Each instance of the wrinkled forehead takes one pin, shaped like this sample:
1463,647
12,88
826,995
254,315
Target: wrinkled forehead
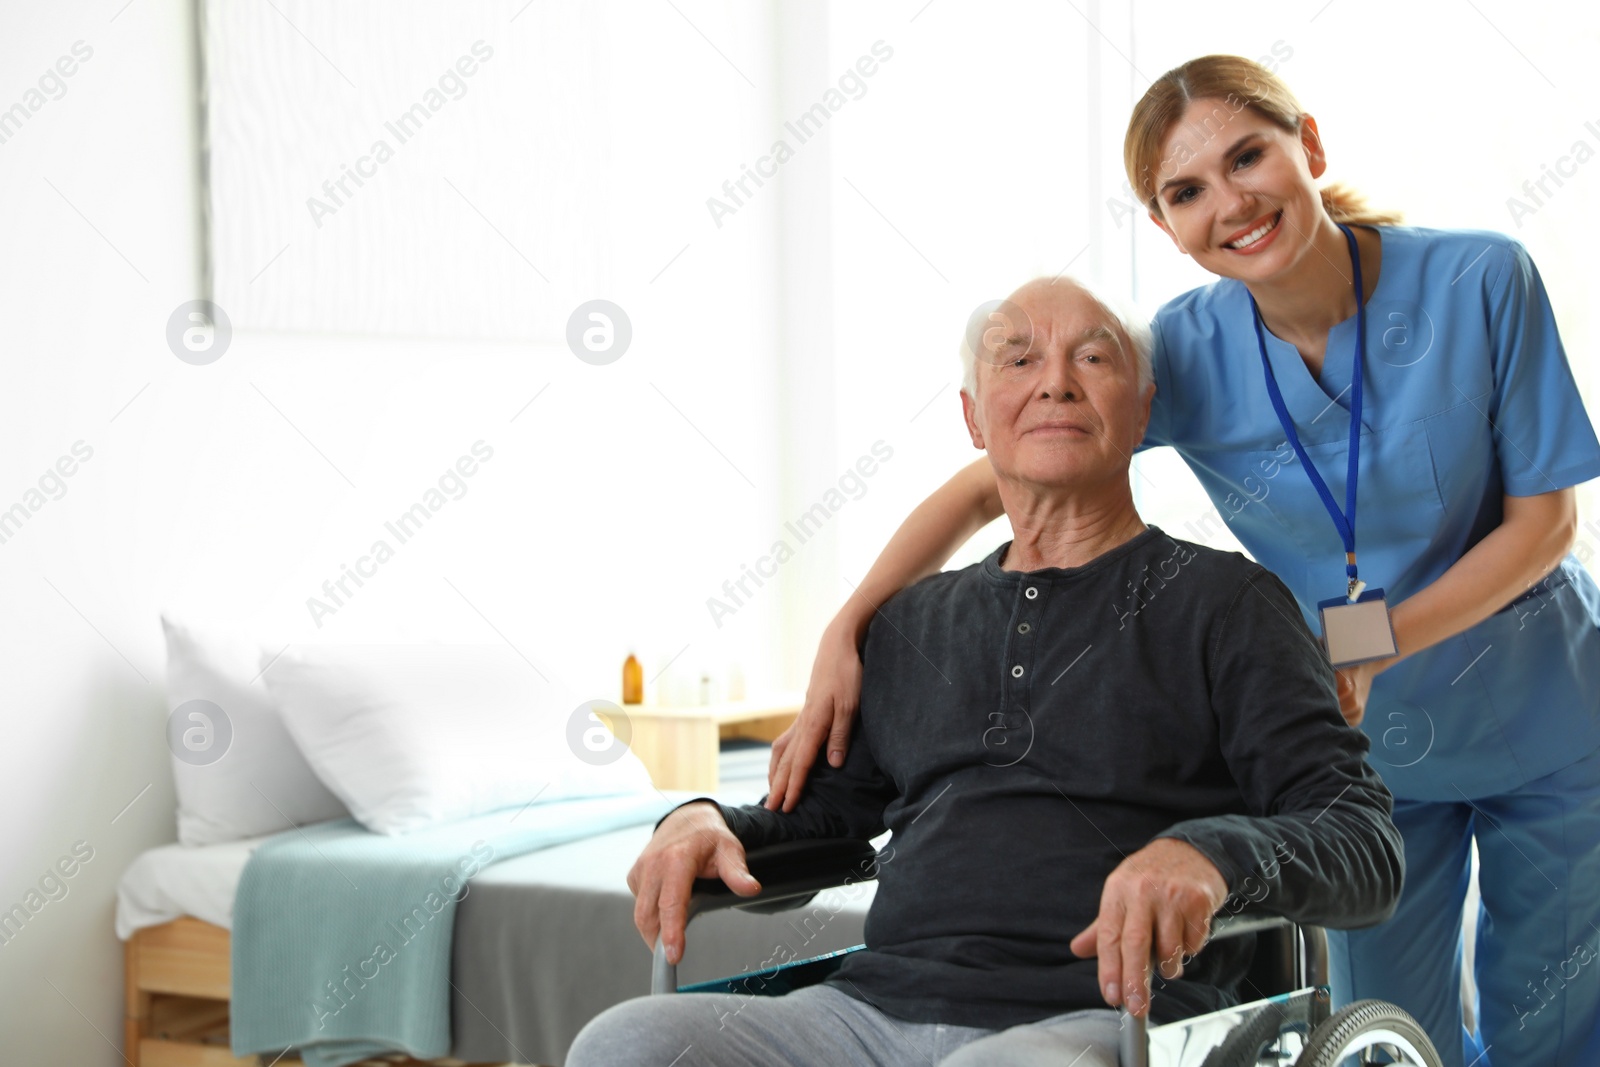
1062,311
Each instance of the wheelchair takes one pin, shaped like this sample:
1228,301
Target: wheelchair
1291,1026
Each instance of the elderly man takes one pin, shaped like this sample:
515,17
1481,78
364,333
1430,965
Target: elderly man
1083,745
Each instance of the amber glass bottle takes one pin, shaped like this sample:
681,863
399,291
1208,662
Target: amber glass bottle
632,681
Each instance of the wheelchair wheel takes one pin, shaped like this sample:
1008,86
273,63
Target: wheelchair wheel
1369,1032
1256,1040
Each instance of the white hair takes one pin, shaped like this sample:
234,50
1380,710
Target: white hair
1133,322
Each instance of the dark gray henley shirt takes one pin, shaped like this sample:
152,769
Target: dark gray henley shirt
1022,732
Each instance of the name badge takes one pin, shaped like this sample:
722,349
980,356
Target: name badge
1359,631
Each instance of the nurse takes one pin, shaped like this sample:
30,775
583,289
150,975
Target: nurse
1383,416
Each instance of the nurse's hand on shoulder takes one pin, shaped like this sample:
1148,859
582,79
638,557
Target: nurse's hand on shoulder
830,709
1355,683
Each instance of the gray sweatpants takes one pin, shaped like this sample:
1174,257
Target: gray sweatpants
822,1026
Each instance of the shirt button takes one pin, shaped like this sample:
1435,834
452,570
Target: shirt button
1031,592
1023,628
1016,672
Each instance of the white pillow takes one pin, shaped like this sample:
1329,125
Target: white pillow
237,770
412,735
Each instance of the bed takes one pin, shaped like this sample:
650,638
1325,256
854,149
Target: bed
542,943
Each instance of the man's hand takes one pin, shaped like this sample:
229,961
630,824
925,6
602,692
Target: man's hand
693,842
1160,898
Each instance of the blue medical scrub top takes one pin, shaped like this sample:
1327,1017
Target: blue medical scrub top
1468,397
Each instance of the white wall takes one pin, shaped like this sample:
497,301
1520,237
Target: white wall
83,335
618,499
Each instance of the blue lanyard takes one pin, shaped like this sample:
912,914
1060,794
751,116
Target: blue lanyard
1345,521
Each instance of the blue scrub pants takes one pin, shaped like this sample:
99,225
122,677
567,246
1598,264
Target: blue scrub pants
1538,945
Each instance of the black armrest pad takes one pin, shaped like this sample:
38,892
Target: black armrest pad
794,869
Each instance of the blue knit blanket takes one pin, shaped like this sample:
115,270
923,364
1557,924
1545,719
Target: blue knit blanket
342,937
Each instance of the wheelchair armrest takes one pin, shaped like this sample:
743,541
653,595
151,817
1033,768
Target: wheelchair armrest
1308,947
1241,923
790,874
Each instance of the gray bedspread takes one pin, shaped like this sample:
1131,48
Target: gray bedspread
546,941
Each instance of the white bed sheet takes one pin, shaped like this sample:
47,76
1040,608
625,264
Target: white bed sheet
174,880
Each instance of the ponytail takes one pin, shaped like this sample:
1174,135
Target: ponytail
1344,204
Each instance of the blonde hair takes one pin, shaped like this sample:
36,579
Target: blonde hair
1233,80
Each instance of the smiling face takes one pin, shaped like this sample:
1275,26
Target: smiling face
1237,192
1059,405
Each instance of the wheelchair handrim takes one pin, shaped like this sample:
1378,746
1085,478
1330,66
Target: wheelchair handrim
1369,1039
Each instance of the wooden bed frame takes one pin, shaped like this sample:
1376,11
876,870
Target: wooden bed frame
177,983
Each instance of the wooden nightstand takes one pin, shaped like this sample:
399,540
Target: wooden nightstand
679,745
